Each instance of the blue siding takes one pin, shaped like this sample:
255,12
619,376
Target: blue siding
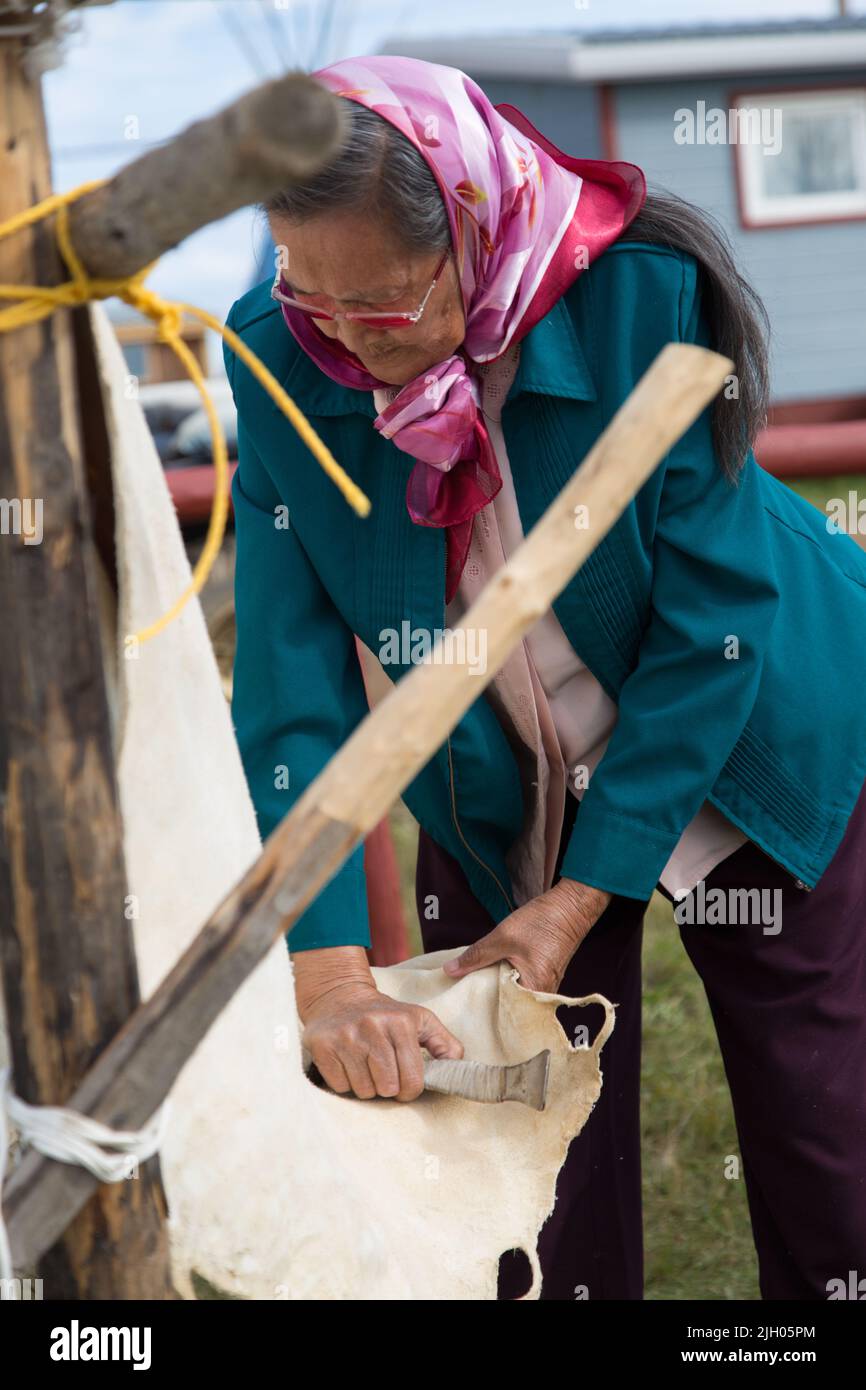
812,279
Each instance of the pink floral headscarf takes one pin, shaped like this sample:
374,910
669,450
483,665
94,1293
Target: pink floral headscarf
525,220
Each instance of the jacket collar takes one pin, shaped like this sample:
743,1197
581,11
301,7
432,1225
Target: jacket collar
552,363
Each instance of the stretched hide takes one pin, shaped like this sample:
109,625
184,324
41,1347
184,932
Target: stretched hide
276,1188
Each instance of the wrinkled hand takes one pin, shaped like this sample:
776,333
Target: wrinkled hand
365,1042
540,938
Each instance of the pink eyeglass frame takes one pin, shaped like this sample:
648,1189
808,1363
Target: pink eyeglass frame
376,319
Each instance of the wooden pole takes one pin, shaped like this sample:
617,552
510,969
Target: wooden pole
66,952
385,752
281,131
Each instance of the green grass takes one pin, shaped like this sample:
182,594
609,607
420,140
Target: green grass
818,491
404,832
698,1241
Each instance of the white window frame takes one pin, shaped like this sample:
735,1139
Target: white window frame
757,208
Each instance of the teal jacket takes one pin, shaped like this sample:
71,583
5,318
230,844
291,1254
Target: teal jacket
770,727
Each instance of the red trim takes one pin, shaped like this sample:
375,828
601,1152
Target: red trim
745,221
820,412
389,936
192,491
803,439
816,450
607,121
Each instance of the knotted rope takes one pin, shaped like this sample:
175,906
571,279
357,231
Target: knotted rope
69,1137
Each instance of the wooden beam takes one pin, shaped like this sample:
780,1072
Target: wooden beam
66,954
281,131
136,1072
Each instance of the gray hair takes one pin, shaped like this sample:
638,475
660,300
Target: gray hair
376,171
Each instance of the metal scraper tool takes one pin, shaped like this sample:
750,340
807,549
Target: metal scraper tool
524,1082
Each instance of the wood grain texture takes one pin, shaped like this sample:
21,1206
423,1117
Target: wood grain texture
66,952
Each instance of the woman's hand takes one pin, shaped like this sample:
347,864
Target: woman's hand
540,938
360,1039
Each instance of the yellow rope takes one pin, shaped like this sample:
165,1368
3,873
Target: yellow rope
38,301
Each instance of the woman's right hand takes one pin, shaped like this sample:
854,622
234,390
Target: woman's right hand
363,1041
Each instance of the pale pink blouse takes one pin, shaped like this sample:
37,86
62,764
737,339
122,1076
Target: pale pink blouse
555,714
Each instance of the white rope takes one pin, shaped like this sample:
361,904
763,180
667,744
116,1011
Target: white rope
69,1137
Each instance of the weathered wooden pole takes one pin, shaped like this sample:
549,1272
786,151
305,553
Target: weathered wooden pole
135,1073
280,131
68,965
66,953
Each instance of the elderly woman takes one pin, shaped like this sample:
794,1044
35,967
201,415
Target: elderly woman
459,309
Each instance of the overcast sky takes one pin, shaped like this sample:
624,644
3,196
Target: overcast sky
168,62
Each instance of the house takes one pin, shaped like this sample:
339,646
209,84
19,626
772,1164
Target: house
149,359
764,126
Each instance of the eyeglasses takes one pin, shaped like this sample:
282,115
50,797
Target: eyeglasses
385,319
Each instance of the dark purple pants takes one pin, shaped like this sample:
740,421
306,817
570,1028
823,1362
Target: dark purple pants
790,1014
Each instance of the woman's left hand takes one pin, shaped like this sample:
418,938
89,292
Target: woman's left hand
540,938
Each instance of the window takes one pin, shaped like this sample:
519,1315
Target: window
813,169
